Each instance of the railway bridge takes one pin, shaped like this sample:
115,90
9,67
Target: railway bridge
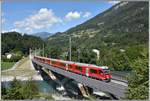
87,85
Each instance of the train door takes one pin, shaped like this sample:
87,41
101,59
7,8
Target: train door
66,66
50,62
87,71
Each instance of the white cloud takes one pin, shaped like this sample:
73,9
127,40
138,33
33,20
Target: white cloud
73,15
86,14
11,30
3,31
44,18
15,29
113,2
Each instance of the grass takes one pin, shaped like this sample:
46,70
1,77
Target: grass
6,65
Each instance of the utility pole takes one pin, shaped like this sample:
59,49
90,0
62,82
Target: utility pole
70,48
78,55
43,49
39,51
30,53
35,52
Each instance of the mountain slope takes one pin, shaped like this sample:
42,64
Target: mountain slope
124,21
120,33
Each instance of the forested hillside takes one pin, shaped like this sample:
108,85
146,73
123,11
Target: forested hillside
120,33
14,41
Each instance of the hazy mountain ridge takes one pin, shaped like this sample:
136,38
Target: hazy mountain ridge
43,35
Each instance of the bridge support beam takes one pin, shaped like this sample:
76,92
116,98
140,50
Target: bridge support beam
37,67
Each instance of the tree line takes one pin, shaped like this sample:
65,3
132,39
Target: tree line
18,44
14,41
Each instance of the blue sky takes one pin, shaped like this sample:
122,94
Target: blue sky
48,16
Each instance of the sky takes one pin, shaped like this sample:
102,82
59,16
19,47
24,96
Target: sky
30,16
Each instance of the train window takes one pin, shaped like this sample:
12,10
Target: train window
79,68
63,64
100,72
53,62
69,66
93,71
106,71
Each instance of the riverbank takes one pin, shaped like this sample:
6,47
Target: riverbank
22,67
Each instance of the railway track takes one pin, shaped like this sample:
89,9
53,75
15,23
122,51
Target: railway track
120,78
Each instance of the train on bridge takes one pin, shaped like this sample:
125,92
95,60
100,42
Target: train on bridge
97,72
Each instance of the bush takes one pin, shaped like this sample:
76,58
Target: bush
139,78
20,90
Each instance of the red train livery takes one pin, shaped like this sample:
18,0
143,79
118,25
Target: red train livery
93,71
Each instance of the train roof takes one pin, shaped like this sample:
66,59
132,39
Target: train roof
69,62
80,64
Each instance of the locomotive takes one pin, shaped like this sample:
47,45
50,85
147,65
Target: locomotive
97,72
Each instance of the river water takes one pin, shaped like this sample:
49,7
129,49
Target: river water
45,87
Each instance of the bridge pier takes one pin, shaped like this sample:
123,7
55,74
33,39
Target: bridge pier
84,90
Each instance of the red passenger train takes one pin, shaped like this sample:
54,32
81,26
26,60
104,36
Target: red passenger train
93,71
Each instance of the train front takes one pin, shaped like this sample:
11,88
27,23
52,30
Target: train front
107,73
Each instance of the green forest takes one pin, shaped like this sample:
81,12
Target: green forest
19,45
14,41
